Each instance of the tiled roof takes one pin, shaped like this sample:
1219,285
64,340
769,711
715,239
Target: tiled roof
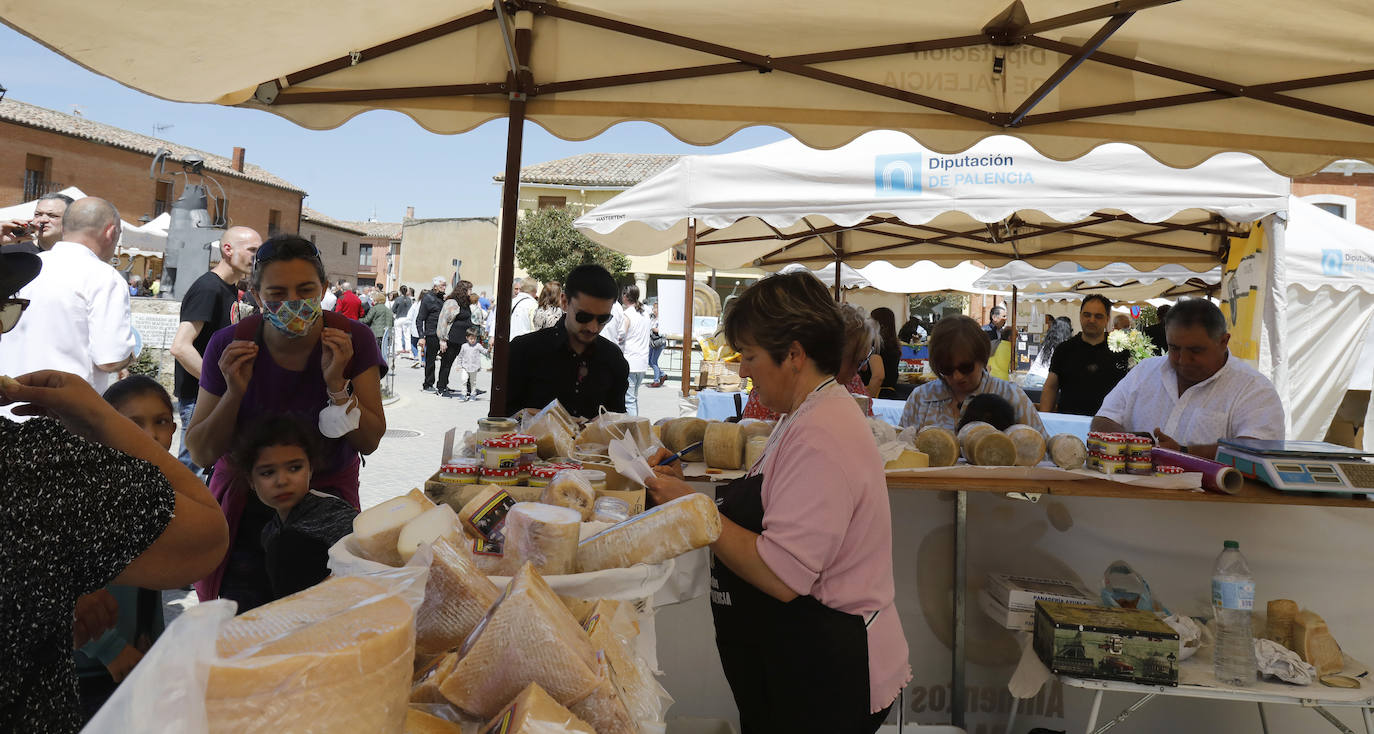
310,215
389,230
596,169
23,113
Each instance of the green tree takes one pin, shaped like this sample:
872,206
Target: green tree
548,247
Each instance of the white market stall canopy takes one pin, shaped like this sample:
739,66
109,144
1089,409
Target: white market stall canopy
884,197
922,277
1117,281
145,237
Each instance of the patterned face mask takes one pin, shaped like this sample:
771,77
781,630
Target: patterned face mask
293,318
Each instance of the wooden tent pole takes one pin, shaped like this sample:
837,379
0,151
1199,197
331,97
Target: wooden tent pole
688,302
510,204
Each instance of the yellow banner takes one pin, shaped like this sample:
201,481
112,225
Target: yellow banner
1242,294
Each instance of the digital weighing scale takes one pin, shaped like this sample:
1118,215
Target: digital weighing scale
1300,466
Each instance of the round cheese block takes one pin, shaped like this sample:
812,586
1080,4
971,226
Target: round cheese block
910,459
1067,451
680,433
968,433
1030,444
752,427
939,444
724,445
991,449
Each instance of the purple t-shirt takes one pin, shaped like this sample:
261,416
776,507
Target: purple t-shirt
275,390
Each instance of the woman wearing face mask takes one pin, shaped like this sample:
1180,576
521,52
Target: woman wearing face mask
297,360
959,352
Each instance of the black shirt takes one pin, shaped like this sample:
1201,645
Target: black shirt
1156,334
1087,372
73,515
544,367
209,299
427,320
297,550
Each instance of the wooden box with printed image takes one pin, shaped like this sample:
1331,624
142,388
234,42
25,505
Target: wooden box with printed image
1130,645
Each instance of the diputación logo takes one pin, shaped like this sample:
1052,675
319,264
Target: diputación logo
897,174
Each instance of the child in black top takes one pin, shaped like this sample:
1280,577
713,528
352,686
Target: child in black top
277,456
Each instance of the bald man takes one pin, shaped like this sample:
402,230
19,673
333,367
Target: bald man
78,315
205,309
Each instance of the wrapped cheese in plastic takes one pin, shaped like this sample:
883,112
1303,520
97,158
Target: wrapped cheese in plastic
489,557
604,708
643,696
544,536
425,687
376,529
528,636
457,596
335,657
554,430
534,711
419,722
664,532
570,488
485,513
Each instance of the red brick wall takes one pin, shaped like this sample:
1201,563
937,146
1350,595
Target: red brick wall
1358,186
121,176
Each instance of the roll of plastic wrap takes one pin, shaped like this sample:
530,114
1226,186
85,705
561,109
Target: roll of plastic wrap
1216,477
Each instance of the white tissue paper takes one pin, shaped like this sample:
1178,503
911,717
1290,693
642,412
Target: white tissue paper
1191,635
1274,659
628,461
890,447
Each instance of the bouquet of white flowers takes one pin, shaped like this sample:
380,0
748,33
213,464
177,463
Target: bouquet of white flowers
1134,342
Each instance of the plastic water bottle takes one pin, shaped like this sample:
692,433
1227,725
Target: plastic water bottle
1233,599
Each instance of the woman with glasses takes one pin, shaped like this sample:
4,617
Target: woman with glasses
89,499
293,359
959,352
801,579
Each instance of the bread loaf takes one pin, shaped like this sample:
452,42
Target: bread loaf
991,449
664,532
1280,614
544,536
427,527
680,433
724,445
528,636
570,489
457,596
377,529
1029,444
939,444
910,459
485,514
1314,643
1067,451
534,711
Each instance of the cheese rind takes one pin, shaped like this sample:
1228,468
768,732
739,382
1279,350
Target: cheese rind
485,513
639,690
377,529
664,532
968,433
457,596
528,636
910,459
991,449
680,433
723,445
419,722
604,708
1067,451
570,489
1029,444
544,536
939,444
534,711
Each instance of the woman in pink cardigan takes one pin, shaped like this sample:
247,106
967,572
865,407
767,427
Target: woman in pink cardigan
801,576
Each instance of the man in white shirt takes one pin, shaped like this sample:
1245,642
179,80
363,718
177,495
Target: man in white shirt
1197,394
522,308
78,316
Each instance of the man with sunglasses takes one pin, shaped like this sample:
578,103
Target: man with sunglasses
570,360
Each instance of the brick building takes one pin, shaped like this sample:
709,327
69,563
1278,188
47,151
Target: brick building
1344,188
379,253
339,244
42,151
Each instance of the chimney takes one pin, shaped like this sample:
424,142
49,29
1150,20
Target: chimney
410,212
238,159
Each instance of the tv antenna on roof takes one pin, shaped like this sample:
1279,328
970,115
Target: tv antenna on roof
158,127
78,110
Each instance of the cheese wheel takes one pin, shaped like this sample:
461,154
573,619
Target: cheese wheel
485,513
457,596
1029,443
528,636
536,712
1067,451
1279,616
570,489
724,445
968,433
664,532
544,536
376,529
680,433
939,444
991,449
752,427
427,527
753,450
910,459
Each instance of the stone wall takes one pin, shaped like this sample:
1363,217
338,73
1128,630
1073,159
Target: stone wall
156,320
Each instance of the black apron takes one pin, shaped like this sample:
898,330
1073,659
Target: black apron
793,667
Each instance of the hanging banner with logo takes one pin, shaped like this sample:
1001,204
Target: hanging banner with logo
1242,293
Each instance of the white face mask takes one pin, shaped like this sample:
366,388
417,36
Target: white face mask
337,421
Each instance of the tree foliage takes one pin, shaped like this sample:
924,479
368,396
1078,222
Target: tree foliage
548,247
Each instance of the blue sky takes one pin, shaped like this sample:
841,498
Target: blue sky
380,160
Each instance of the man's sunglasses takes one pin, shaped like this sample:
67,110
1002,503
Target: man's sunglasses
10,309
965,368
284,249
583,317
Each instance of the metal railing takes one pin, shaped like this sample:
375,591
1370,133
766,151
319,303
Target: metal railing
36,187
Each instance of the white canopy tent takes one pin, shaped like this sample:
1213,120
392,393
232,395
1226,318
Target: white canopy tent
131,236
922,277
1118,281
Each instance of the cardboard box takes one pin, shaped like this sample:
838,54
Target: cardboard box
1021,621
1020,593
1106,643
723,376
